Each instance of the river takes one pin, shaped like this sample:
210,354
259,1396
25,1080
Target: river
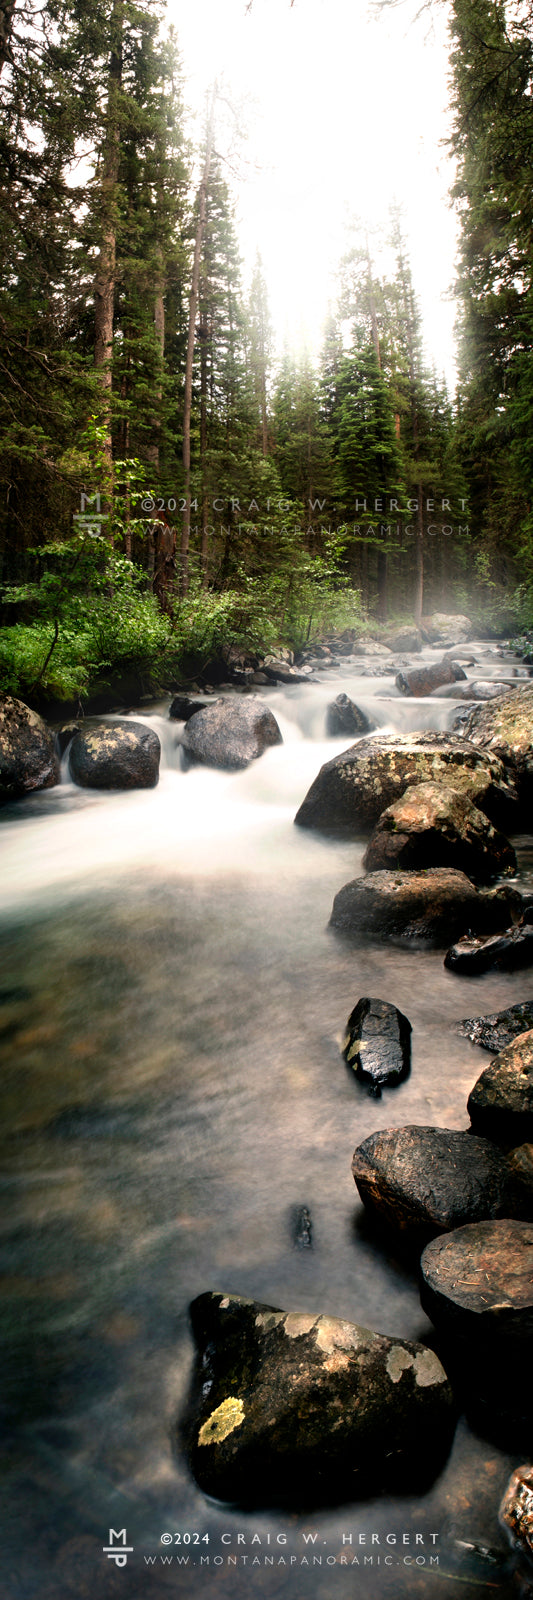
172,1007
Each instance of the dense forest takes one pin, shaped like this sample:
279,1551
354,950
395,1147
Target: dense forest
168,487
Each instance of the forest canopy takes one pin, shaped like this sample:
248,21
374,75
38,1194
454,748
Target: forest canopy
169,486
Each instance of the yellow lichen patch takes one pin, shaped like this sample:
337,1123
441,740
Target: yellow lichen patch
297,1323
398,1361
227,1416
428,1369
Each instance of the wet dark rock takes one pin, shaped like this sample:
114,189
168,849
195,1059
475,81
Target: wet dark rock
505,728
443,627
423,680
117,755
28,758
231,733
422,1181
508,951
516,1510
409,906
377,1044
498,1029
350,792
298,1409
278,671
477,1287
302,1228
185,706
500,1105
342,716
521,1164
407,638
433,825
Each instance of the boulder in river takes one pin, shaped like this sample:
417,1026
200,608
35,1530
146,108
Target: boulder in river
477,1287
433,825
344,717
500,1105
424,680
407,638
186,705
350,792
231,733
115,755
477,1284
507,951
444,627
301,1409
28,758
422,1181
505,728
521,1164
417,906
516,1510
498,1029
378,1044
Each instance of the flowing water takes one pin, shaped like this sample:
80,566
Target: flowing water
172,1004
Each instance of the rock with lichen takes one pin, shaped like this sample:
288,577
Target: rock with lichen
115,755
28,758
433,825
350,792
430,907
500,1105
297,1408
504,729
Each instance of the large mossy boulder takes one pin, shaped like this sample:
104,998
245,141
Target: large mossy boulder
500,1105
377,1044
449,628
28,758
418,906
230,733
423,1181
115,755
300,1409
433,825
350,792
504,728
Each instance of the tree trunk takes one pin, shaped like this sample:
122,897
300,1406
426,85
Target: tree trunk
419,559
104,282
7,10
193,304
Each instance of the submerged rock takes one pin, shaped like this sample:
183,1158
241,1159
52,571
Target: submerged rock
422,1181
230,733
378,1044
417,905
28,758
350,792
498,1029
516,1509
424,680
342,716
302,1228
501,1102
433,825
296,1408
508,951
117,755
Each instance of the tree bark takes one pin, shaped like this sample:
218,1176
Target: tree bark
193,304
104,282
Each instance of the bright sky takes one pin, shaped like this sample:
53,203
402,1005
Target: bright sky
345,114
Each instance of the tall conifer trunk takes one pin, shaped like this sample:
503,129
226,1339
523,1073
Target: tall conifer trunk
193,305
104,283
